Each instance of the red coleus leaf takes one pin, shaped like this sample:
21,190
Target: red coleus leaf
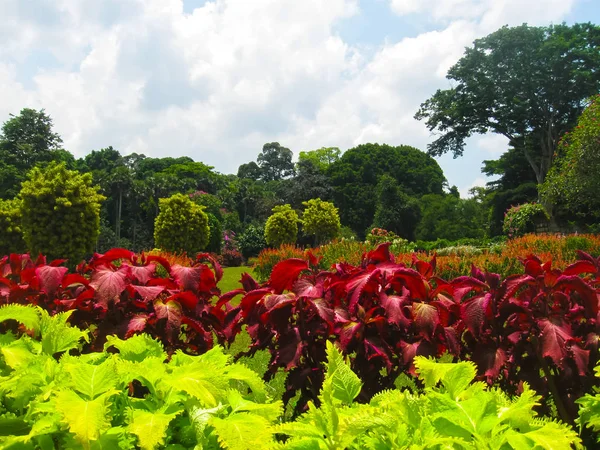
111,255
109,284
285,273
147,293
72,279
228,296
171,312
289,350
554,336
50,278
363,282
413,281
475,313
164,282
188,278
5,285
159,259
216,266
248,283
426,318
324,311
533,266
379,255
137,323
348,332
586,292
426,269
250,300
186,298
581,358
307,288
393,306
412,349
580,267
490,360
142,274
515,282
376,348
18,262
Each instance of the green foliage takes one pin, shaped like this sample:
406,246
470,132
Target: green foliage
275,162
451,412
215,241
181,225
269,257
11,234
396,211
356,174
589,410
321,158
522,219
252,241
320,219
282,226
60,212
576,175
131,398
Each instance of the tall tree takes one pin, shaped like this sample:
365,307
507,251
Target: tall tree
356,174
322,158
526,83
396,211
275,162
26,140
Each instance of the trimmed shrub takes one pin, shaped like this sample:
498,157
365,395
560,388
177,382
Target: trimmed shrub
321,219
60,212
181,225
282,226
11,233
215,241
252,241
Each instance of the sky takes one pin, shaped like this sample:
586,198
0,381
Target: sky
215,80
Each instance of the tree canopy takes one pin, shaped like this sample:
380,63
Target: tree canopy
526,83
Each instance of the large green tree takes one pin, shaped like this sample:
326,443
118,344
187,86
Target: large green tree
322,158
275,162
26,140
526,83
396,211
356,174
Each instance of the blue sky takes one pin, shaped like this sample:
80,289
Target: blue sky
215,80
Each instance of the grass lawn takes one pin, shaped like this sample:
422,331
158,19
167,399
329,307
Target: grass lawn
231,278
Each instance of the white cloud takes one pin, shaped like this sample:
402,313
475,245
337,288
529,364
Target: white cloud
216,84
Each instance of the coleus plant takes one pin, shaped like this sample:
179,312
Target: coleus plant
121,293
539,327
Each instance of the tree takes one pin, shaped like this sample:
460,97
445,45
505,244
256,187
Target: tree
26,140
275,162
249,170
396,211
321,158
60,212
355,176
526,83
575,180
181,225
282,226
309,182
321,219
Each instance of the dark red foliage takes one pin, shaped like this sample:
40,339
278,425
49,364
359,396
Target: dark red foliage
540,327
120,293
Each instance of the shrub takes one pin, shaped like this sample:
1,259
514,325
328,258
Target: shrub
522,219
215,240
181,225
252,241
61,212
271,256
342,251
231,258
11,233
282,226
320,219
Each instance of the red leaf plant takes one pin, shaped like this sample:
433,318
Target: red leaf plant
119,292
540,327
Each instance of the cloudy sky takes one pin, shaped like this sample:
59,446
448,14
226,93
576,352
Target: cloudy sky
215,80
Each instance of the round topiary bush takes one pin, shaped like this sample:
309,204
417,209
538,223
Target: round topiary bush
522,219
181,225
11,234
60,212
321,219
252,241
282,226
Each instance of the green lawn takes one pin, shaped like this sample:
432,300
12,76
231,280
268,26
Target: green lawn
231,278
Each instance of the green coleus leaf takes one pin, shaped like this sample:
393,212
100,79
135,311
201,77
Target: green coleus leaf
28,315
91,380
150,427
137,348
345,384
243,431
